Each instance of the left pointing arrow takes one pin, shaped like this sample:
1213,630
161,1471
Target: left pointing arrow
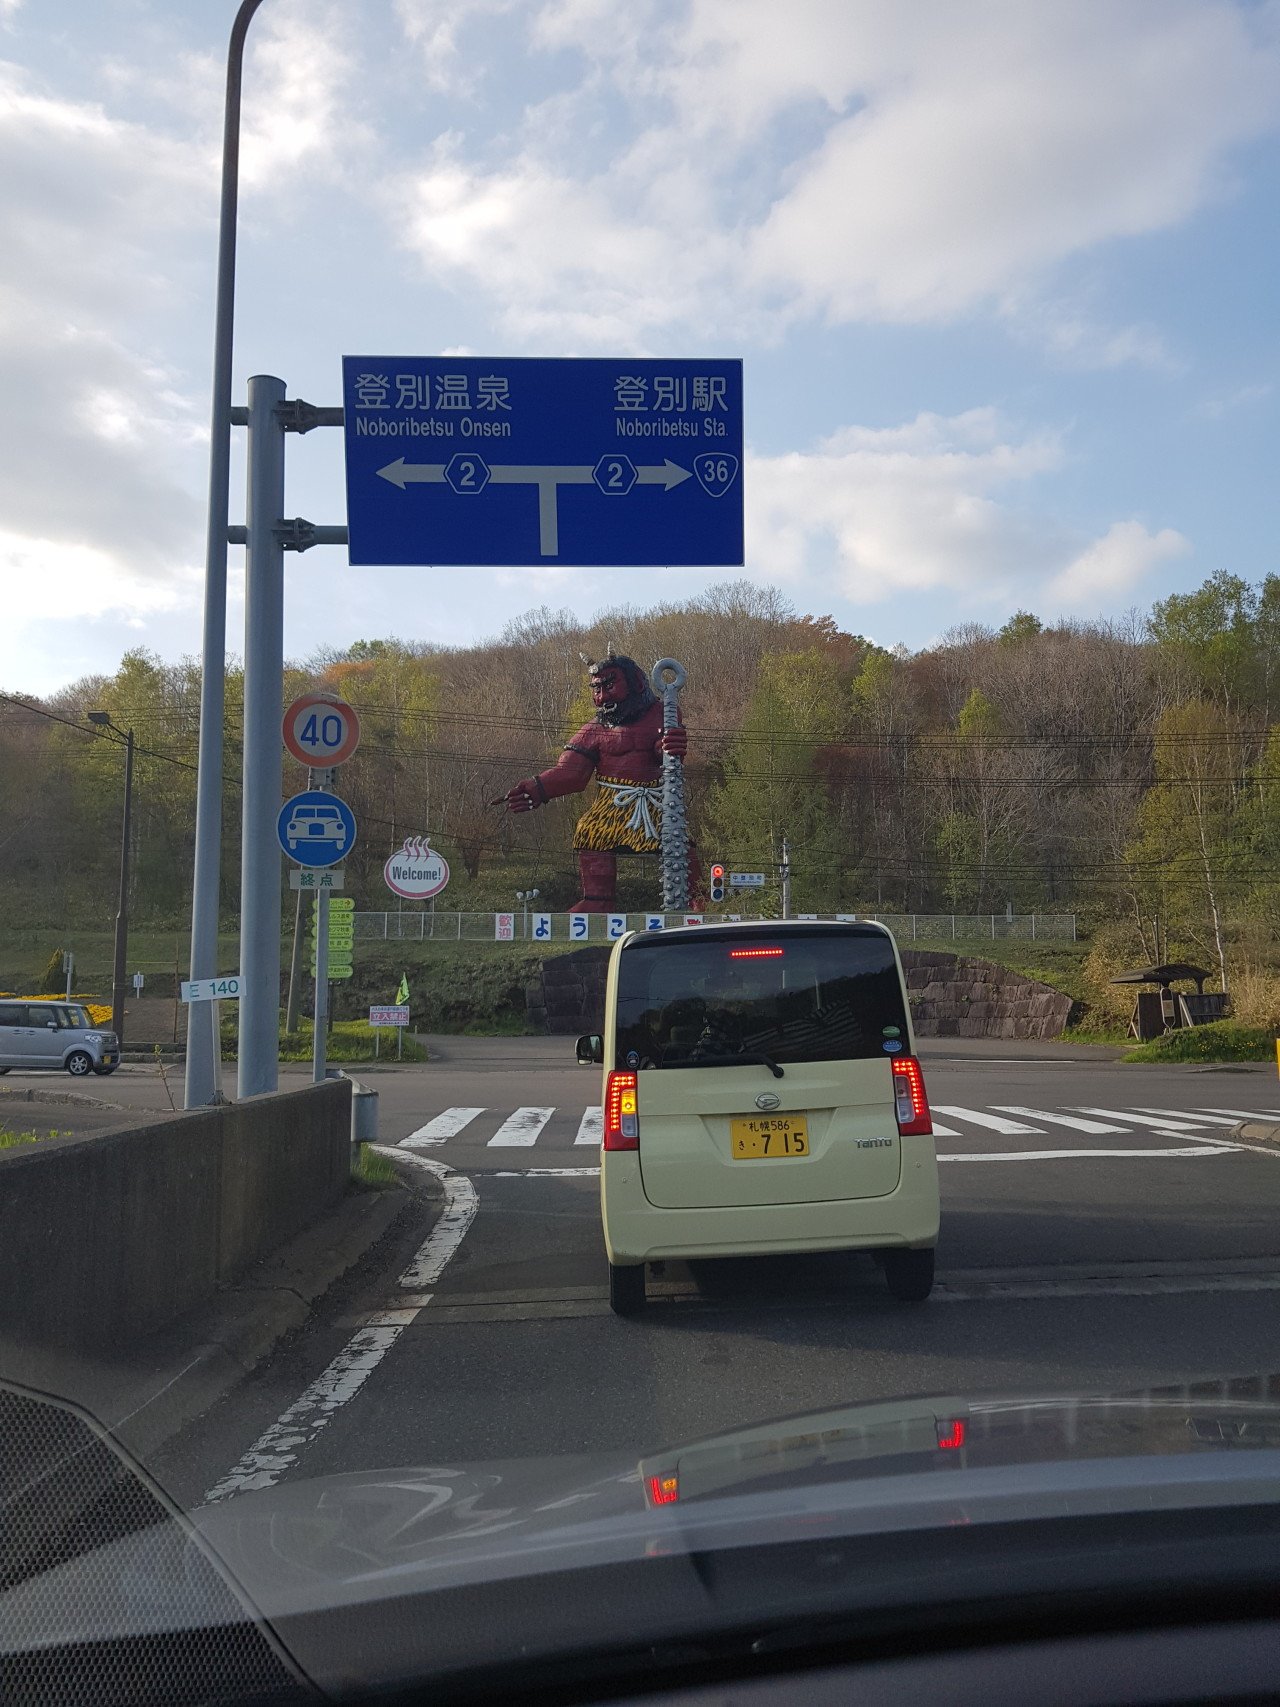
400,473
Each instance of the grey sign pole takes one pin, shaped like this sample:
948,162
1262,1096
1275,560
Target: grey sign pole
203,1077
320,1041
263,760
669,677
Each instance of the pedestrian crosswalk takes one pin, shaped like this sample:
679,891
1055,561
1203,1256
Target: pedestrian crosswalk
571,1128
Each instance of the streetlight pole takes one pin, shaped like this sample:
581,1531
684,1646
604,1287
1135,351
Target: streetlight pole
103,720
202,1053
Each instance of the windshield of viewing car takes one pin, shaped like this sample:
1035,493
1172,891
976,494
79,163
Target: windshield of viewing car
798,995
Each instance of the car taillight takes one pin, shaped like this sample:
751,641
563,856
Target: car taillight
951,1434
911,1105
622,1112
663,1490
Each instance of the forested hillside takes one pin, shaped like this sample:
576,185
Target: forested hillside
1127,772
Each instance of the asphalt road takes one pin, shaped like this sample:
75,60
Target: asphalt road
1099,1231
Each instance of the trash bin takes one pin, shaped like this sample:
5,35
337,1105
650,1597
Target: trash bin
364,1115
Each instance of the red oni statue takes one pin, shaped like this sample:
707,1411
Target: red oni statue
623,747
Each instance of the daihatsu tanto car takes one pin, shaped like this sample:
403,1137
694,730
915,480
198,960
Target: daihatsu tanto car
762,1095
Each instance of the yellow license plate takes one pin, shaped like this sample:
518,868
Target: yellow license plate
771,1136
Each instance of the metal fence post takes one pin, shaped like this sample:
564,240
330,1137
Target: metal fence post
993,927
263,761
953,927
1033,927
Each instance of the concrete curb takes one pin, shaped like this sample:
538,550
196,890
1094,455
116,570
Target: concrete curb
68,1099
1258,1132
182,1372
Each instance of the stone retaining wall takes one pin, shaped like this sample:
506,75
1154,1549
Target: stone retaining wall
960,996
951,996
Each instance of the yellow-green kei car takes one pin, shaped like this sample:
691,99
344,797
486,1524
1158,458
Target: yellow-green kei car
762,1095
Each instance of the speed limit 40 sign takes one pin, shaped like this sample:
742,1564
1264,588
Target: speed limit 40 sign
319,731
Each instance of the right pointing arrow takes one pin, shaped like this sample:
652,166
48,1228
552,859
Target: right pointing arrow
670,474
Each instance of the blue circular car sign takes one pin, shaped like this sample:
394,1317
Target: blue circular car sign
316,828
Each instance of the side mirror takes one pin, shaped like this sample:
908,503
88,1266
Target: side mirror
590,1050
52,1024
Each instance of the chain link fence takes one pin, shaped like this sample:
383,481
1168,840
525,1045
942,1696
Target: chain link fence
601,927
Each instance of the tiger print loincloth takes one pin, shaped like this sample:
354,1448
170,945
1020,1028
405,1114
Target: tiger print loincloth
622,815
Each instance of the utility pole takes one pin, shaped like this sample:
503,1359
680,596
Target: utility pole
103,720
786,878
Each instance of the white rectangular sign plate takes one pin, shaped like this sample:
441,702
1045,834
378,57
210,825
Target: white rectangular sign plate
225,989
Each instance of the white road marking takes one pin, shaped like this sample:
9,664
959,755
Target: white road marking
995,1122
1205,1149
1097,1127
1204,1118
529,1173
521,1129
941,1131
279,1447
460,1204
1244,1113
1171,1124
591,1127
445,1125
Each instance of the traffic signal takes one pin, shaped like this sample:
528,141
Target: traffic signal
717,883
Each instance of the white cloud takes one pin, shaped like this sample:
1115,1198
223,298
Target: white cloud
853,160
905,509
1216,408
54,578
435,28
97,435
938,506
1109,569
303,59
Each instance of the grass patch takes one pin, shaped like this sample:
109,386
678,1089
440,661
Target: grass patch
349,1041
1224,1040
373,1170
10,1140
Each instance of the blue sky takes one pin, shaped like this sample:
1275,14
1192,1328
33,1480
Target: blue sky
1004,278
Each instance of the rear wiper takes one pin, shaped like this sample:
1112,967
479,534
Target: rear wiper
747,1058
764,1060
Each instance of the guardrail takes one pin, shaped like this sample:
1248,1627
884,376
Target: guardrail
425,926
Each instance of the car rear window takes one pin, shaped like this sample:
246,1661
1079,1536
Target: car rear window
791,995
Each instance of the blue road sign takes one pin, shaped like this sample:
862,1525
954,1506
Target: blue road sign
316,828
524,461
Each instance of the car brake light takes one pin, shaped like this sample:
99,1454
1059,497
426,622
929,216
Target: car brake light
756,953
664,1490
622,1112
951,1434
909,1100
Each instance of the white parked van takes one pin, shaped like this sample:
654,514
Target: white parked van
762,1095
